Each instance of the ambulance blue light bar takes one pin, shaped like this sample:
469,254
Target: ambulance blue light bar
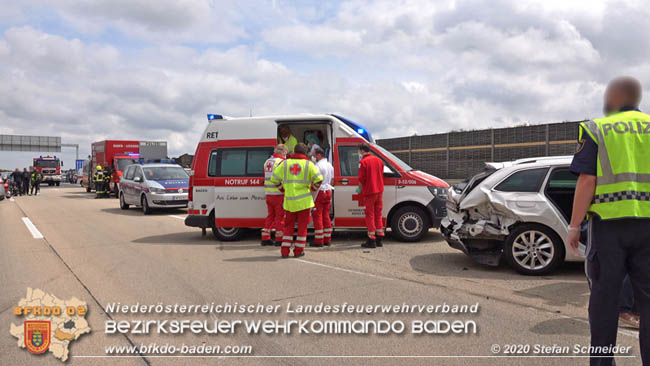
356,127
214,116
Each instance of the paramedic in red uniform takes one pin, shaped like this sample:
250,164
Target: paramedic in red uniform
371,188
323,201
274,199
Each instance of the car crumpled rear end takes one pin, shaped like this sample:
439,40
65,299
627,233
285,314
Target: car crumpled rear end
478,223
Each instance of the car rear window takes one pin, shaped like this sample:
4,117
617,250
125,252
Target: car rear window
529,180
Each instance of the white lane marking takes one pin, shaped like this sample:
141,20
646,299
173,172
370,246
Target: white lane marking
32,229
177,217
624,332
345,270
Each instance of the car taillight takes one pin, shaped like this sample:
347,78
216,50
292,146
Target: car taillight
189,194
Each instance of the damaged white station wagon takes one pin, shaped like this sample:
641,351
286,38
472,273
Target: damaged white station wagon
518,210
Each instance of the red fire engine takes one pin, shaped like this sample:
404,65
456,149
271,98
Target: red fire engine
50,168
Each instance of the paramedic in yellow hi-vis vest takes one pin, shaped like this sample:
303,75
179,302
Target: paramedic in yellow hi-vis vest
274,199
298,177
287,139
613,160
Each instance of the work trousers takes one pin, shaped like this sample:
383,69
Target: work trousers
321,216
616,248
290,218
374,205
99,188
36,188
274,217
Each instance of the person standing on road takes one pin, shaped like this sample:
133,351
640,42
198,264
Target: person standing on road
274,199
323,201
298,177
614,188
36,182
287,139
371,189
27,176
17,177
107,182
98,180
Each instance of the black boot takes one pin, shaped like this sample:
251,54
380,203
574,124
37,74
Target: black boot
370,243
378,241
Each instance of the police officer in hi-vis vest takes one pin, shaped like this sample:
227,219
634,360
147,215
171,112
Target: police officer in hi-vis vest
298,177
613,161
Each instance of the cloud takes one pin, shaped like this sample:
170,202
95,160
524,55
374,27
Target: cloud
152,70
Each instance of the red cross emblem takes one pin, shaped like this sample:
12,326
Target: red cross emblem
358,198
269,166
295,169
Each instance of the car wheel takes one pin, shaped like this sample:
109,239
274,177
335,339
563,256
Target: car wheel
123,204
145,205
225,233
534,249
409,223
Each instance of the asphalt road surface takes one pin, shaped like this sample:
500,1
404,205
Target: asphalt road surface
93,250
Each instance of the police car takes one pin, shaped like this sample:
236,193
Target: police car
153,186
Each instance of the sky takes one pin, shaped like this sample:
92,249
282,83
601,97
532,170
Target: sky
153,69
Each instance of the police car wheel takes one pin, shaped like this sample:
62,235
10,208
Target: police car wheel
409,223
533,250
123,204
145,205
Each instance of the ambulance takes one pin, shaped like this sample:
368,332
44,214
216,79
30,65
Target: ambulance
226,191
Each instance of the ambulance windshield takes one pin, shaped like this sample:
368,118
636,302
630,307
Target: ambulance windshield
393,158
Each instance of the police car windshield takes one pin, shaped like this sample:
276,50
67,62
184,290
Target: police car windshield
395,159
164,173
47,163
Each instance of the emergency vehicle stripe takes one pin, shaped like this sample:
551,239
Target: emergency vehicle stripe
608,176
621,196
297,197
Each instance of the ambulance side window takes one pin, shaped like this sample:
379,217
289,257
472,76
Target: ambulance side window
349,160
238,162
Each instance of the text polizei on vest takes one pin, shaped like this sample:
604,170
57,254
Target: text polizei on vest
631,127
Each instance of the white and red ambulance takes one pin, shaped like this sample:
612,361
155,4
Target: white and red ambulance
227,178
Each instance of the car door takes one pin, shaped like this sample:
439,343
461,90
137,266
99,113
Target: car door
348,209
126,184
137,185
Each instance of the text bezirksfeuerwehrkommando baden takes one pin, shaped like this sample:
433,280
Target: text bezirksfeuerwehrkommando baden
290,308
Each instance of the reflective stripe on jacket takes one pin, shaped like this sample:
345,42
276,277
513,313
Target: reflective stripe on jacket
269,166
299,177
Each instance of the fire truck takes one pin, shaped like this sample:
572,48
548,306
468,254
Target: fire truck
50,168
117,155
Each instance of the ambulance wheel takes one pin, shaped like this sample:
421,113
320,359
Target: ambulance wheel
225,233
409,223
145,205
123,204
